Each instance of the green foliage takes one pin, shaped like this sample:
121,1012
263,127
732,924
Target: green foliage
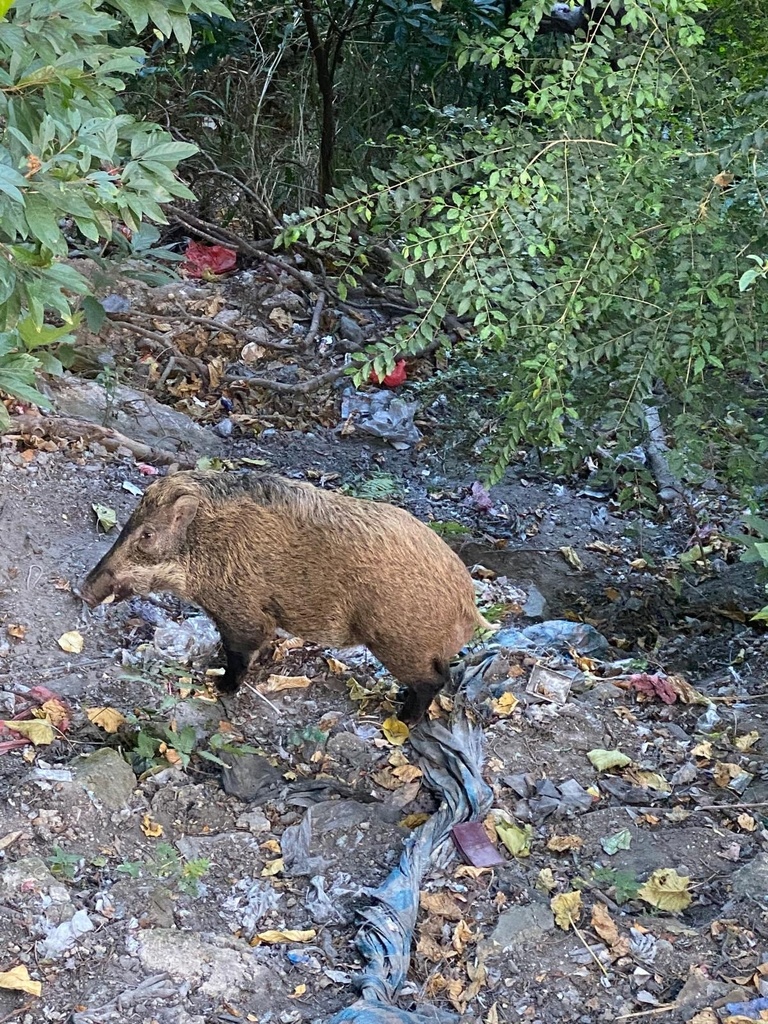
64,864
587,234
168,865
756,552
71,162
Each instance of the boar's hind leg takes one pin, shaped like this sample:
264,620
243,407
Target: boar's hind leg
235,670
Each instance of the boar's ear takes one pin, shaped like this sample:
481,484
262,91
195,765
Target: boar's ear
182,512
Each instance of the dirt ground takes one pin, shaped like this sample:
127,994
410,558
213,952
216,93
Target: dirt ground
140,885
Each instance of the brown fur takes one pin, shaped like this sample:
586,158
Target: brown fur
258,552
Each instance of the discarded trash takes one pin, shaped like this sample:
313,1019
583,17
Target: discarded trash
549,685
60,938
186,641
382,414
201,259
474,845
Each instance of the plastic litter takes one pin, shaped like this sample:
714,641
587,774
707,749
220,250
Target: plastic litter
451,760
382,414
186,641
63,936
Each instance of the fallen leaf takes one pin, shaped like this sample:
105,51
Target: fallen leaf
723,179
604,760
706,1016
152,829
667,890
106,516
462,935
281,319
560,844
273,868
108,719
56,712
37,730
648,780
18,980
276,684
724,772
545,881
414,820
71,642
337,667
16,630
407,773
271,937
621,840
291,644
747,822
566,907
298,991
430,948
703,751
441,904
747,741
572,558
505,705
395,731
516,839
604,925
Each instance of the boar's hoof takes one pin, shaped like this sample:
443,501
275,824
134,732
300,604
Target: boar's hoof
416,700
234,673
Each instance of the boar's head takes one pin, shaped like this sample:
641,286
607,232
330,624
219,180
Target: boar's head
148,556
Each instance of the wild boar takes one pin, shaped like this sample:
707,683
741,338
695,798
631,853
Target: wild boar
258,552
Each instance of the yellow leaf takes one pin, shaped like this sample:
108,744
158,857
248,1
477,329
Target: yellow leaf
54,711
37,730
18,980
71,642
747,822
462,934
272,937
545,882
649,780
271,846
467,871
559,844
505,705
516,839
746,742
276,684
604,760
395,731
407,773
282,649
703,751
151,829
337,667
604,925
16,630
108,719
298,991
566,907
724,772
273,868
667,890
572,558
414,820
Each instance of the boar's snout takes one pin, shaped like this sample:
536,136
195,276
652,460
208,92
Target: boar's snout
99,584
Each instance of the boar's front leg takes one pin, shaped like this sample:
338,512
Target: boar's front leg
235,669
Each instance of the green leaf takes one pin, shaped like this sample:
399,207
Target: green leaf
43,221
10,181
604,760
95,314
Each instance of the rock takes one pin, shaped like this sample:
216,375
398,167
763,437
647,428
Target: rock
224,428
536,606
350,331
699,991
216,968
285,299
520,926
132,413
752,878
254,821
106,777
352,748
251,778
33,873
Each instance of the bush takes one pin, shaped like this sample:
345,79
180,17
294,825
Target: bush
71,162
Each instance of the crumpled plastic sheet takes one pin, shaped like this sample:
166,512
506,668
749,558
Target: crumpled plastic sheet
451,760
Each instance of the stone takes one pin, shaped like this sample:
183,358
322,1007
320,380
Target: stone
106,777
536,606
255,822
33,873
752,878
216,968
523,925
351,748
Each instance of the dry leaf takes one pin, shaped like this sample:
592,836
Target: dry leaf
462,935
747,822
723,179
441,904
37,730
414,820
667,890
566,907
604,760
572,558
16,630
703,750
746,742
648,780
470,871
407,773
560,844
505,705
604,925
724,772
290,935
545,881
291,644
273,868
55,712
705,1016
18,980
108,719
430,948
395,731
281,319
276,684
298,991
337,667
71,642
151,829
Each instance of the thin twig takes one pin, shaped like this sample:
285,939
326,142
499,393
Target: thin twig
314,326
591,952
266,700
730,807
305,387
649,1013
